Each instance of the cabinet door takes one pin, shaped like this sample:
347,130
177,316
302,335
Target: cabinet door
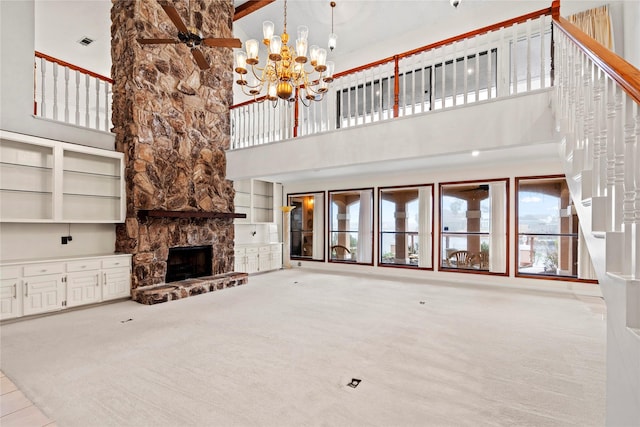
83,288
10,298
276,259
252,263
265,262
116,283
43,293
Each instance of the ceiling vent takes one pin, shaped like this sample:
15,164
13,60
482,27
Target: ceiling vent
86,41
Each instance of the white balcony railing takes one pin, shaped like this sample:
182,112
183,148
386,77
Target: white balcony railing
501,60
70,94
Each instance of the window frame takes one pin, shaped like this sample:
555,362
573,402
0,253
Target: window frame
517,233
330,230
380,232
507,241
322,232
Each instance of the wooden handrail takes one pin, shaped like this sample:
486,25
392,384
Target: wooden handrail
72,67
625,74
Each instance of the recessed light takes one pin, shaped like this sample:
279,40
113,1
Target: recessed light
475,153
86,41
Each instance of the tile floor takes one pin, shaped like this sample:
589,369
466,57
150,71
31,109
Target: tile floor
18,411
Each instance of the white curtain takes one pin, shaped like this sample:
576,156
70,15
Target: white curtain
424,227
498,230
365,232
318,226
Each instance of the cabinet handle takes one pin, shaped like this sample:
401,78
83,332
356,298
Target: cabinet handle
44,270
15,291
116,263
97,279
104,275
26,289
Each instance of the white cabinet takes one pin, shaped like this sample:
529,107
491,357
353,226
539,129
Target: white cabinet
257,199
10,293
43,180
116,283
43,293
32,287
258,258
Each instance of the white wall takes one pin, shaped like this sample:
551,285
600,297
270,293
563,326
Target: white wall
31,241
16,82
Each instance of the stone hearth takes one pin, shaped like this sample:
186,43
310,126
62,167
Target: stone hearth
185,288
171,121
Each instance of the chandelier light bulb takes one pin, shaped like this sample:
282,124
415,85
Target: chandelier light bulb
271,93
274,48
321,60
241,62
301,50
313,54
303,32
330,69
267,30
252,51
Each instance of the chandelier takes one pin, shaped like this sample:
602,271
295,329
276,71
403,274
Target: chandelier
288,74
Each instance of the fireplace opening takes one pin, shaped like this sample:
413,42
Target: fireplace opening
188,263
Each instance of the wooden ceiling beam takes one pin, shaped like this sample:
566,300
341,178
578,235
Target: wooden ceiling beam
249,7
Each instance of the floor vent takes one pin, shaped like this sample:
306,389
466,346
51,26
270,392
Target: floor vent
354,383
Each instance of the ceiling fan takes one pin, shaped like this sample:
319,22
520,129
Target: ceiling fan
192,37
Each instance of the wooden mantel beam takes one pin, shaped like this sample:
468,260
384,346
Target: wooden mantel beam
143,214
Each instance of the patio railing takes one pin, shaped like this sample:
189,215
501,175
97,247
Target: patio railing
504,59
70,94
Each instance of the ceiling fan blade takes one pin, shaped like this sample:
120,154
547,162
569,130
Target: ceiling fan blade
158,41
200,59
175,17
222,42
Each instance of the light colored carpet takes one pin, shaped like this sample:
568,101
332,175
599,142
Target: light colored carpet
281,350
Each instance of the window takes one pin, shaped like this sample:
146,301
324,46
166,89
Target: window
406,228
474,220
351,226
547,229
307,226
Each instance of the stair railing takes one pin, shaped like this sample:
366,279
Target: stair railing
70,94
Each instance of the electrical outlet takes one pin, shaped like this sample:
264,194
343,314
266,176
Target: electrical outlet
65,240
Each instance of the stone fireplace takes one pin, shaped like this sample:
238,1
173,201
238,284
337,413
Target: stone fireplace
171,121
188,263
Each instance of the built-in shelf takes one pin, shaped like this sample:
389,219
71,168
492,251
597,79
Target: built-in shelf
142,214
44,180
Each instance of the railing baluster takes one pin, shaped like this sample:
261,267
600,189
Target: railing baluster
77,97
543,53
86,105
465,70
636,207
66,94
476,71
618,164
55,91
97,82
629,268
107,89
528,25
442,75
489,66
454,71
43,74
514,59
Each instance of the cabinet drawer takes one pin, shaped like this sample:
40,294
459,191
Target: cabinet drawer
87,265
41,269
276,248
116,262
264,249
251,251
9,272
239,252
